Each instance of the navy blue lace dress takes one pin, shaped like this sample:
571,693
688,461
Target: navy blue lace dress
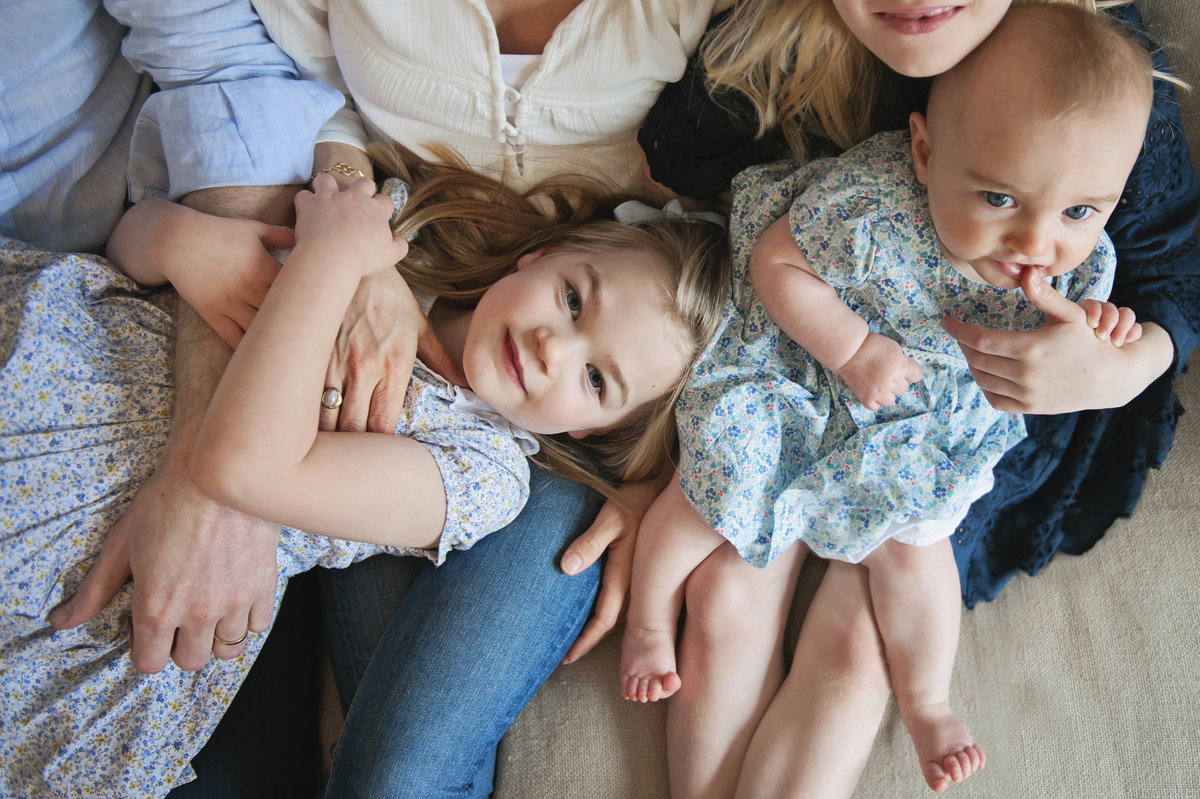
1064,486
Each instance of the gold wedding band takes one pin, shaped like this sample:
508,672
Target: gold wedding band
223,642
331,398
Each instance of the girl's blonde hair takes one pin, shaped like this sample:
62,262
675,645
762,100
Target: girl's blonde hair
801,68
472,229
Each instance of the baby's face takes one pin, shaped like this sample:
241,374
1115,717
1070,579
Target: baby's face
920,39
1008,193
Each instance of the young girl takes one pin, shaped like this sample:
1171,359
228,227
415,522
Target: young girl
546,316
1010,180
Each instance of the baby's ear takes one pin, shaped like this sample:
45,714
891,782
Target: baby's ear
919,131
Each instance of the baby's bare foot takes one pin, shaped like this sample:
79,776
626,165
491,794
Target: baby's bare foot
945,747
648,664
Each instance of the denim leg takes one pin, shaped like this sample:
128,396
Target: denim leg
472,642
357,604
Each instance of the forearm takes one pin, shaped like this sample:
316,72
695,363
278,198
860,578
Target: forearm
326,154
270,390
200,356
804,306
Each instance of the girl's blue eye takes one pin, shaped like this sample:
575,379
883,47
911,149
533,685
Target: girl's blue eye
574,301
1078,212
997,200
595,379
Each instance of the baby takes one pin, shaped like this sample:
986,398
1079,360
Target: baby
832,409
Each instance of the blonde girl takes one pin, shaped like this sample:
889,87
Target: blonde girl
549,324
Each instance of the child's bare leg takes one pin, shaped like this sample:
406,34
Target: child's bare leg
815,737
672,541
731,663
915,595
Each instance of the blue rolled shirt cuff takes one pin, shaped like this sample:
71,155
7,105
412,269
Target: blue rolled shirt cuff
253,132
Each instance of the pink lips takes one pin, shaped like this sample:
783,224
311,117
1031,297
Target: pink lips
918,20
512,361
1013,269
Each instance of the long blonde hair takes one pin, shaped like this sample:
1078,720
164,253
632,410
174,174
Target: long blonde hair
471,231
801,68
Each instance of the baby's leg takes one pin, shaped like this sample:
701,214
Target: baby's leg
915,596
672,541
731,663
816,736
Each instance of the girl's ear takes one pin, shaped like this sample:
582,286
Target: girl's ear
582,434
920,144
531,257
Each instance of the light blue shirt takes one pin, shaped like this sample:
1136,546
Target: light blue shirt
231,110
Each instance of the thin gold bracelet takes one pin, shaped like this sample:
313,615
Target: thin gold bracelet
340,168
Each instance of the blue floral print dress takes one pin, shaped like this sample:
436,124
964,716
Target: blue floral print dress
774,449
86,389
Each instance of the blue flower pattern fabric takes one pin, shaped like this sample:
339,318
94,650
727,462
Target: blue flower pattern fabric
776,450
86,389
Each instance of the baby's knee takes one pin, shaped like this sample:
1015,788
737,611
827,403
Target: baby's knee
723,594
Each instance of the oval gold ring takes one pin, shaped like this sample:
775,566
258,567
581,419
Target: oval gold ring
223,642
331,398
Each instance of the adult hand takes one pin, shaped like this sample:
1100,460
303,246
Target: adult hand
383,331
1061,367
614,530
202,572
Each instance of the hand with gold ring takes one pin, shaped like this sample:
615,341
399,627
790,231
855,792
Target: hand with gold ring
331,398
219,640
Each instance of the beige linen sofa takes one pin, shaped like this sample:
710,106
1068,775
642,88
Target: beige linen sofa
1081,682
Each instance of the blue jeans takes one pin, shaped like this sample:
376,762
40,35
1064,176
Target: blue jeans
466,648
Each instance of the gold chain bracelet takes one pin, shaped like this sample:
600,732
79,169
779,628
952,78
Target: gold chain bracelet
340,168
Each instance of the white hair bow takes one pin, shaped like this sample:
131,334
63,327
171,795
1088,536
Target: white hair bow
633,212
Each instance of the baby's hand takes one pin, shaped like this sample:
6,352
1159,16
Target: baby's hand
349,227
1111,323
879,372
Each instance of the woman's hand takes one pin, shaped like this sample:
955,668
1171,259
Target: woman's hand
1063,366
384,329
615,530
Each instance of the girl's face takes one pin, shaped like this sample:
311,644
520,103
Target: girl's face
920,38
574,341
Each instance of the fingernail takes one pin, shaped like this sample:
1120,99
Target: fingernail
1102,335
572,563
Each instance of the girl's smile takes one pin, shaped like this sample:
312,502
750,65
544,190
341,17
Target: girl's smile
513,360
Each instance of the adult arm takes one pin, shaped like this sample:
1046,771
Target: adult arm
1062,367
200,570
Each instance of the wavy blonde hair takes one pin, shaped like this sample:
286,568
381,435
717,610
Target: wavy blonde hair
801,68
473,228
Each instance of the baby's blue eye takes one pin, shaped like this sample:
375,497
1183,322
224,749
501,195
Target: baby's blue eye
595,379
574,302
997,199
1078,212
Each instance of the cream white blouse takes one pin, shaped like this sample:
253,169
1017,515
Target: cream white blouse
429,71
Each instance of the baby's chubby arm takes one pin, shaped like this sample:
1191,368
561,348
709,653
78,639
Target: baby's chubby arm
809,310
